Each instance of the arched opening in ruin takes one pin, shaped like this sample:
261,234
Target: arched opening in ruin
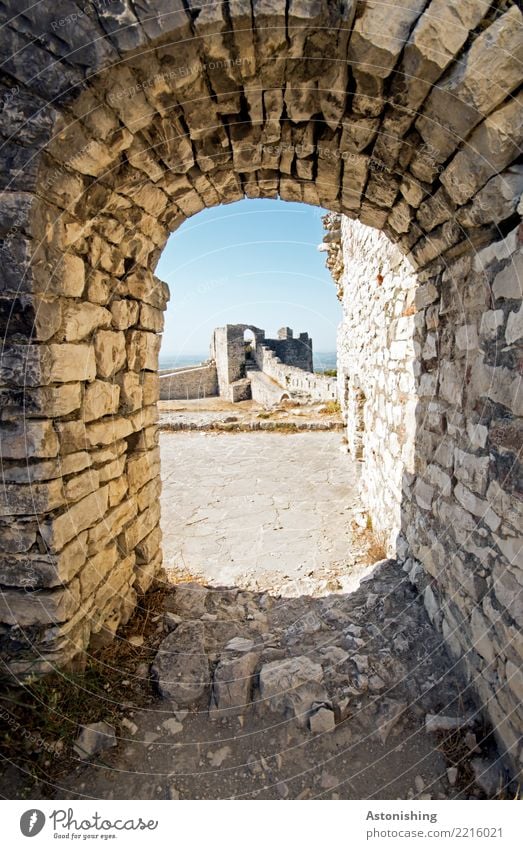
249,342
176,111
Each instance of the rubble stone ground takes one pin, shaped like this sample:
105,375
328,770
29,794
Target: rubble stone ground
300,688
204,414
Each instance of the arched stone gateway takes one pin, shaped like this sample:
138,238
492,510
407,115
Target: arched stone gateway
119,121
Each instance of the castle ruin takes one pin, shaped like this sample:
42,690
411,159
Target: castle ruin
245,365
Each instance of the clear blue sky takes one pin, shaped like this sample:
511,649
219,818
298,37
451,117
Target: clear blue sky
252,262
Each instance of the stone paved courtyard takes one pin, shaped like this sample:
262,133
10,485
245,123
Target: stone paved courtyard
262,511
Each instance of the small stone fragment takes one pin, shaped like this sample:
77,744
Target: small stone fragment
240,644
93,739
452,775
172,726
217,757
131,727
322,721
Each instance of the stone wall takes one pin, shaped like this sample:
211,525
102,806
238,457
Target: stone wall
195,382
295,380
264,390
291,351
376,364
431,390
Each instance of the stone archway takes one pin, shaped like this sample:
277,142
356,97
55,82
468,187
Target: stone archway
124,121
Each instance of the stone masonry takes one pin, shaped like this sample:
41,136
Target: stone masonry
193,382
122,120
432,401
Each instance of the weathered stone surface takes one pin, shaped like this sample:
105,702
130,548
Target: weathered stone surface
39,607
109,348
67,362
84,514
490,149
465,97
124,313
232,683
79,320
30,438
181,666
508,283
379,35
290,687
101,399
142,350
322,721
436,39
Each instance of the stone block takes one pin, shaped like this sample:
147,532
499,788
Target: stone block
514,328
111,525
450,383
67,363
424,494
68,278
18,499
436,39
425,295
101,399
233,682
466,337
148,547
505,505
141,468
29,438
112,470
79,320
144,523
99,288
150,388
491,321
107,431
142,350
131,391
117,490
35,570
508,283
124,314
477,506
472,470
507,590
379,35
59,530
511,547
482,633
151,318
96,570
491,148
464,97
80,485
110,351
39,607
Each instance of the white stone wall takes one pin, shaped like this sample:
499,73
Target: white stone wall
376,355
196,382
429,375
295,380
